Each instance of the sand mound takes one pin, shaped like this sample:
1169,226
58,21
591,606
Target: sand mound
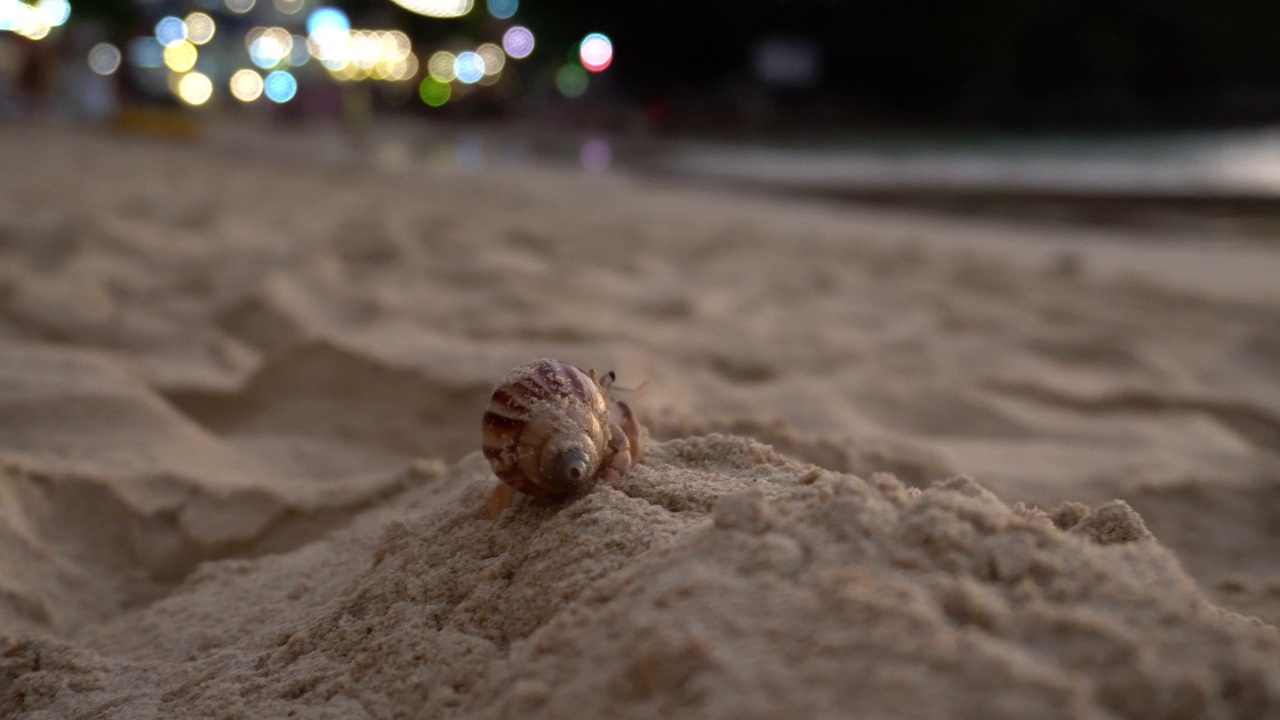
718,579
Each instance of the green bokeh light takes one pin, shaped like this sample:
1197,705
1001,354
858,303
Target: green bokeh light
571,80
433,92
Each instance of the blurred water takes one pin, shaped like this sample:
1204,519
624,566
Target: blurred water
1209,164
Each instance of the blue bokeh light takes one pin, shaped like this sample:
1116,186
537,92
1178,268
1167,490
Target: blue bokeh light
146,52
469,67
299,55
280,86
55,12
327,19
171,31
503,9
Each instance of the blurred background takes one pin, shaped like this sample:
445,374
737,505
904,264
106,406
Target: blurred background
1097,109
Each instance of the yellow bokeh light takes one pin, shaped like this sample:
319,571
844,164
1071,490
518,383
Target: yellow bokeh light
246,85
352,73
494,58
365,50
440,66
282,37
35,30
195,88
406,69
398,45
200,28
319,50
437,8
181,57
34,22
289,7
352,55
268,46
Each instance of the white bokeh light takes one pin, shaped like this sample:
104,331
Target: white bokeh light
104,59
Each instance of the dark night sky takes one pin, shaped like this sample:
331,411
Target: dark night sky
1033,61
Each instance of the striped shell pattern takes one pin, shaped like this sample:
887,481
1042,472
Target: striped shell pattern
547,429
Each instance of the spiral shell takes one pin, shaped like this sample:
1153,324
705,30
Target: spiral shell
550,429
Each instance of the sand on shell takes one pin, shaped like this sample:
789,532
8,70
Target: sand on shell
895,468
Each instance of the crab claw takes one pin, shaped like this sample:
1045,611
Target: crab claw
499,500
619,458
620,414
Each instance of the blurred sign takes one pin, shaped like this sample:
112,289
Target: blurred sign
788,62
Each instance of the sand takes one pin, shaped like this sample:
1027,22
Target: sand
899,465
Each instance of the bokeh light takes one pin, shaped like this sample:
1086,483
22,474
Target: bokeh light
240,6
246,85
518,42
290,7
268,47
410,70
596,52
181,57
35,30
355,55
433,92
104,59
171,31
468,67
299,56
33,21
327,19
398,43
12,14
200,28
195,88
571,80
53,12
494,58
330,47
364,50
146,52
280,87
441,66
596,155
503,9
437,8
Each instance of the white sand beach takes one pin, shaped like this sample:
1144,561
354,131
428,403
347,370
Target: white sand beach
898,464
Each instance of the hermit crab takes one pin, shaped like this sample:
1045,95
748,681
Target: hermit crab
551,429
